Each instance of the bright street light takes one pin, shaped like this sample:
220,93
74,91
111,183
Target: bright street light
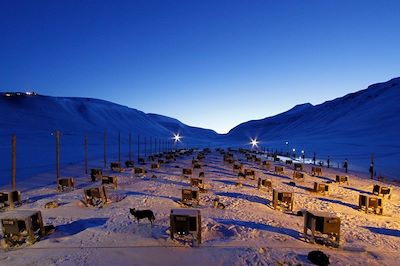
254,142
177,137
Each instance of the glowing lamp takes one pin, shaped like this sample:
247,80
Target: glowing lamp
177,137
254,142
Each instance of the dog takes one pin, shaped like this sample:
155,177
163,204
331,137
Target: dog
318,258
143,214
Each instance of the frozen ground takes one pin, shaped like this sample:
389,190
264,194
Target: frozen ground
247,232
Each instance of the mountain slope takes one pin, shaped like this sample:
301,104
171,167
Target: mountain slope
34,120
175,126
352,126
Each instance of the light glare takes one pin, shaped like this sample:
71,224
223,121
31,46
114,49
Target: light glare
254,142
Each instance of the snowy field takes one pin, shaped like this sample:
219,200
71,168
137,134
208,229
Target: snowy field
247,232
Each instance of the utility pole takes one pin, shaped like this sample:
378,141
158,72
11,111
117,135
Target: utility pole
13,161
145,147
371,167
86,154
105,148
119,146
138,147
151,146
57,155
130,147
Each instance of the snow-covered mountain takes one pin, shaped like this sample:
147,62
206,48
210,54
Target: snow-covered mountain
176,126
35,118
353,127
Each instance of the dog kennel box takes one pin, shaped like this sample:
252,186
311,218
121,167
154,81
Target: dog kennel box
316,171
227,157
237,167
22,226
116,166
282,199
298,176
129,164
95,196
298,167
197,182
266,165
185,222
187,172
190,196
139,171
322,222
321,187
370,203
141,161
342,179
10,198
288,162
170,157
279,170
264,183
197,166
155,166
382,191
65,184
95,174
250,173
109,180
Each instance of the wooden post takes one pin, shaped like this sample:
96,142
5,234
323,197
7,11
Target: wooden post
145,148
13,161
151,144
199,240
86,154
138,147
372,168
130,146
57,155
105,148
119,146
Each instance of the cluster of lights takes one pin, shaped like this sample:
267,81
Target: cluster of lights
294,149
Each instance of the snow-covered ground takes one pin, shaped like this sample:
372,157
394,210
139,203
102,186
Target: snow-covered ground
248,232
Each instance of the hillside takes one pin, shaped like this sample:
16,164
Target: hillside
176,126
353,127
35,118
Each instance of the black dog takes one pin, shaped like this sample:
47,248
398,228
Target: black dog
318,258
143,214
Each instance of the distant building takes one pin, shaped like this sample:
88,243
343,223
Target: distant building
18,93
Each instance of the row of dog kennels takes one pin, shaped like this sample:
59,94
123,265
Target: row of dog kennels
23,226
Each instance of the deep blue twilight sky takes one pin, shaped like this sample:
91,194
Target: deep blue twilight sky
211,64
